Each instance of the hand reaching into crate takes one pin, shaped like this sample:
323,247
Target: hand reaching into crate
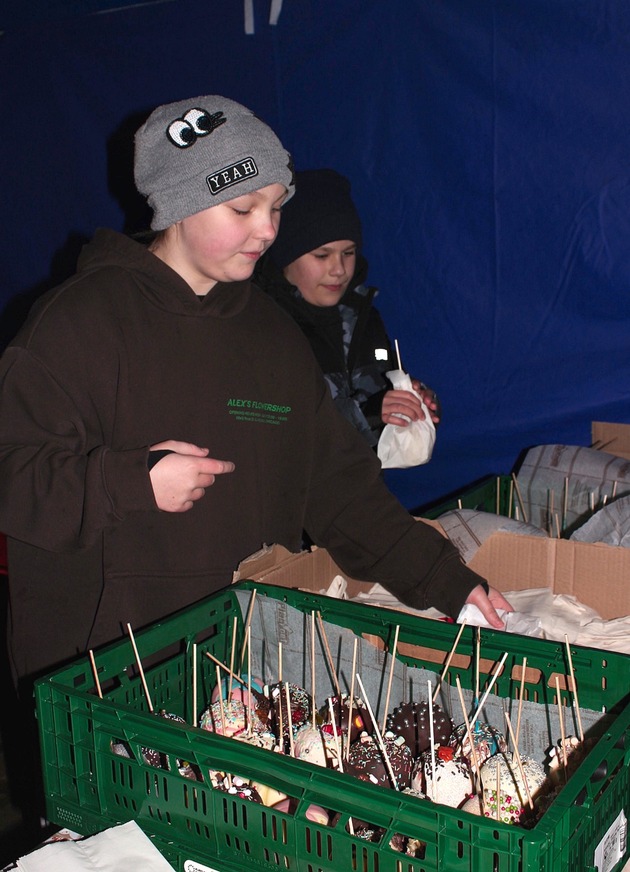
488,603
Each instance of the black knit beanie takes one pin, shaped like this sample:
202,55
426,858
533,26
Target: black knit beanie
321,211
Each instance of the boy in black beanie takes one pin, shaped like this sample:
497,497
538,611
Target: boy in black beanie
315,271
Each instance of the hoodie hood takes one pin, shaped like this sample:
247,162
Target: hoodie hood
158,282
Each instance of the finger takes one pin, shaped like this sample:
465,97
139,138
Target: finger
491,616
211,466
185,506
479,598
224,466
406,410
489,612
406,397
498,600
398,420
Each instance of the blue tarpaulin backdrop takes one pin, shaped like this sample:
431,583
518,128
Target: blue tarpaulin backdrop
488,144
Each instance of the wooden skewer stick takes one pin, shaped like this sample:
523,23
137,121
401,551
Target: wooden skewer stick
354,667
473,749
434,787
339,750
331,711
280,662
232,653
601,445
250,725
519,497
140,669
379,738
221,708
331,665
391,676
289,719
313,668
468,528
574,688
521,693
339,747
248,620
448,661
519,762
280,714
225,669
565,758
397,353
194,684
565,502
498,788
476,661
488,689
477,658
95,673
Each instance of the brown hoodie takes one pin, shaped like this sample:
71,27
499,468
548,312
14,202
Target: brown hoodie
123,356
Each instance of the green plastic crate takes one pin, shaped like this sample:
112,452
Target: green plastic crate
198,828
491,494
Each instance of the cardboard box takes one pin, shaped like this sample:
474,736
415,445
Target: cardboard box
597,575
310,571
612,438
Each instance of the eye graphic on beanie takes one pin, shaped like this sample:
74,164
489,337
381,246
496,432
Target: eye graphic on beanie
184,132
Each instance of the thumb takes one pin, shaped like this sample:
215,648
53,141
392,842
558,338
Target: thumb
195,450
180,447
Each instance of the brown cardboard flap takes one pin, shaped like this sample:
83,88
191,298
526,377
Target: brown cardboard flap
269,558
511,562
595,574
309,571
612,438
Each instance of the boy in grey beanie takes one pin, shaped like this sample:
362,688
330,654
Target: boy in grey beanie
130,381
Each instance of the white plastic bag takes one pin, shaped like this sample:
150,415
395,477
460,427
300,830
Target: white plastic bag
400,447
121,847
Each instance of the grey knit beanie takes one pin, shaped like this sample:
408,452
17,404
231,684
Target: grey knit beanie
197,153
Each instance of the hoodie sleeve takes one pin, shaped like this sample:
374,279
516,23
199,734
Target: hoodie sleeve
60,485
369,533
